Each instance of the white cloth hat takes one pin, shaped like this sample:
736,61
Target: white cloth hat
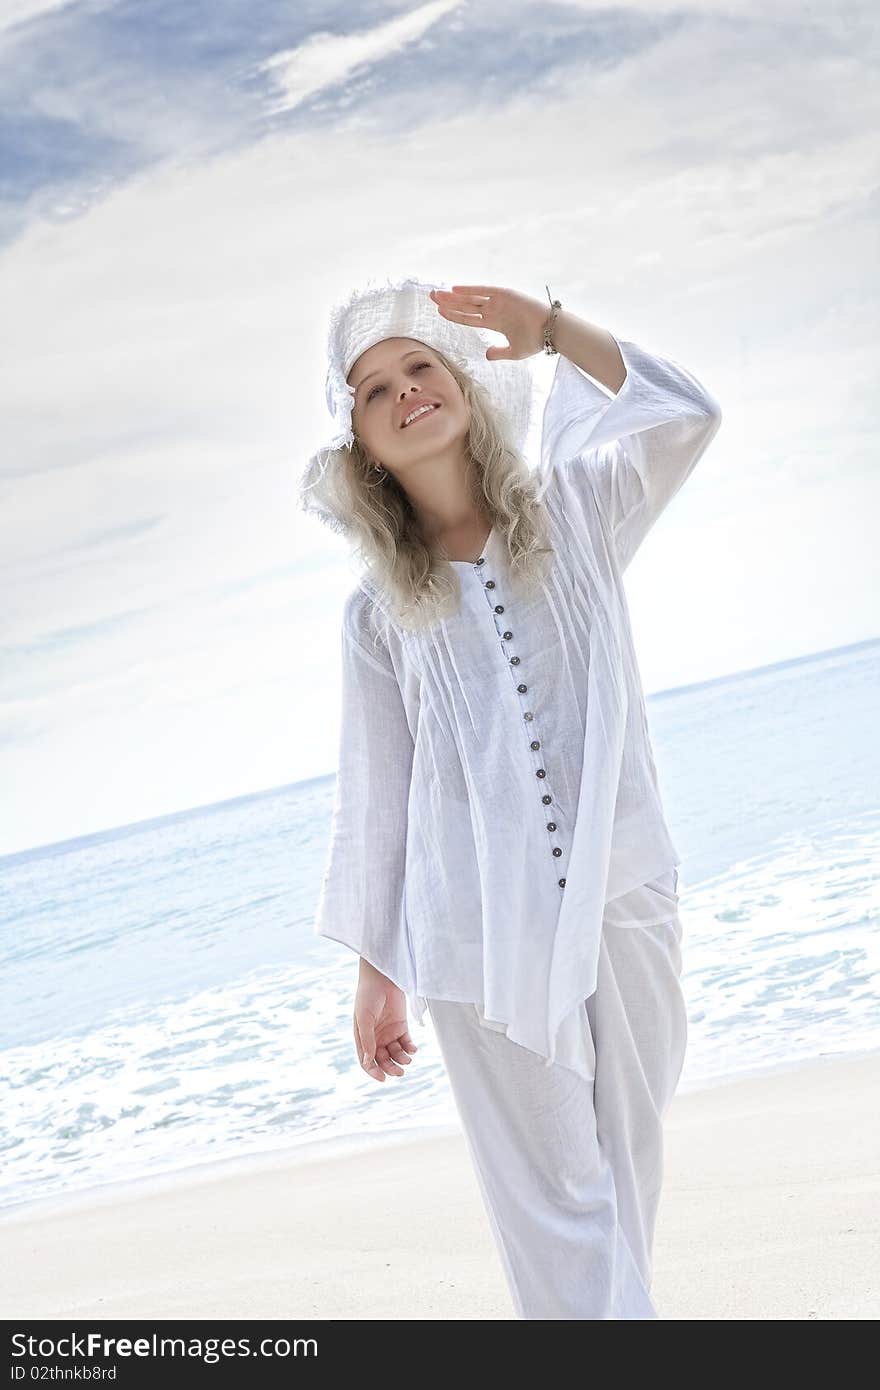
403,309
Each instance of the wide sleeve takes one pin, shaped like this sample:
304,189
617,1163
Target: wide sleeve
361,899
635,448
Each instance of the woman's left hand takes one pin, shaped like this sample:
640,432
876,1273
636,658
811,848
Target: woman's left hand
519,317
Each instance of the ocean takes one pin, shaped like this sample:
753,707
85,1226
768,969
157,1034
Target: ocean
165,1002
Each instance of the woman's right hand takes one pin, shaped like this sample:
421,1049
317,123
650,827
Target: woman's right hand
380,1033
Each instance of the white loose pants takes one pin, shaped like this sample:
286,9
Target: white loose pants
570,1169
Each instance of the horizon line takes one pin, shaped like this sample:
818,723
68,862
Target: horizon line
131,827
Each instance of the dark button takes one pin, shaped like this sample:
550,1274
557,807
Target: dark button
490,583
540,772
534,743
499,608
546,799
481,561
522,689
551,825
556,852
507,636
528,715
514,661
562,883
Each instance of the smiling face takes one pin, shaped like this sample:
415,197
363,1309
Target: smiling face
392,379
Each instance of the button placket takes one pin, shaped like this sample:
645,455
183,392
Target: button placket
522,688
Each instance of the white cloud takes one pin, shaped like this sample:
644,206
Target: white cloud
327,59
21,11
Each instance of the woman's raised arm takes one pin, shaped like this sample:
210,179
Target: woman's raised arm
637,445
635,421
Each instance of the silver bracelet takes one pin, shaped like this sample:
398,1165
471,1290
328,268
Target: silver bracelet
555,306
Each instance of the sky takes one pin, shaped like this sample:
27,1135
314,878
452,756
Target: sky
185,190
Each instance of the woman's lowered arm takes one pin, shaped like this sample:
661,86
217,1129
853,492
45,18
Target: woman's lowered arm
362,892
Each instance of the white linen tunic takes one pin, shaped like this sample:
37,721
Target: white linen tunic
497,795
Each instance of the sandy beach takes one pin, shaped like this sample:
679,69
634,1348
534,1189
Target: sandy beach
771,1209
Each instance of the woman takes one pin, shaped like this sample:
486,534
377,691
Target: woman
499,855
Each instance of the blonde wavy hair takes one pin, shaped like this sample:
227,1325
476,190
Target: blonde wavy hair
419,586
